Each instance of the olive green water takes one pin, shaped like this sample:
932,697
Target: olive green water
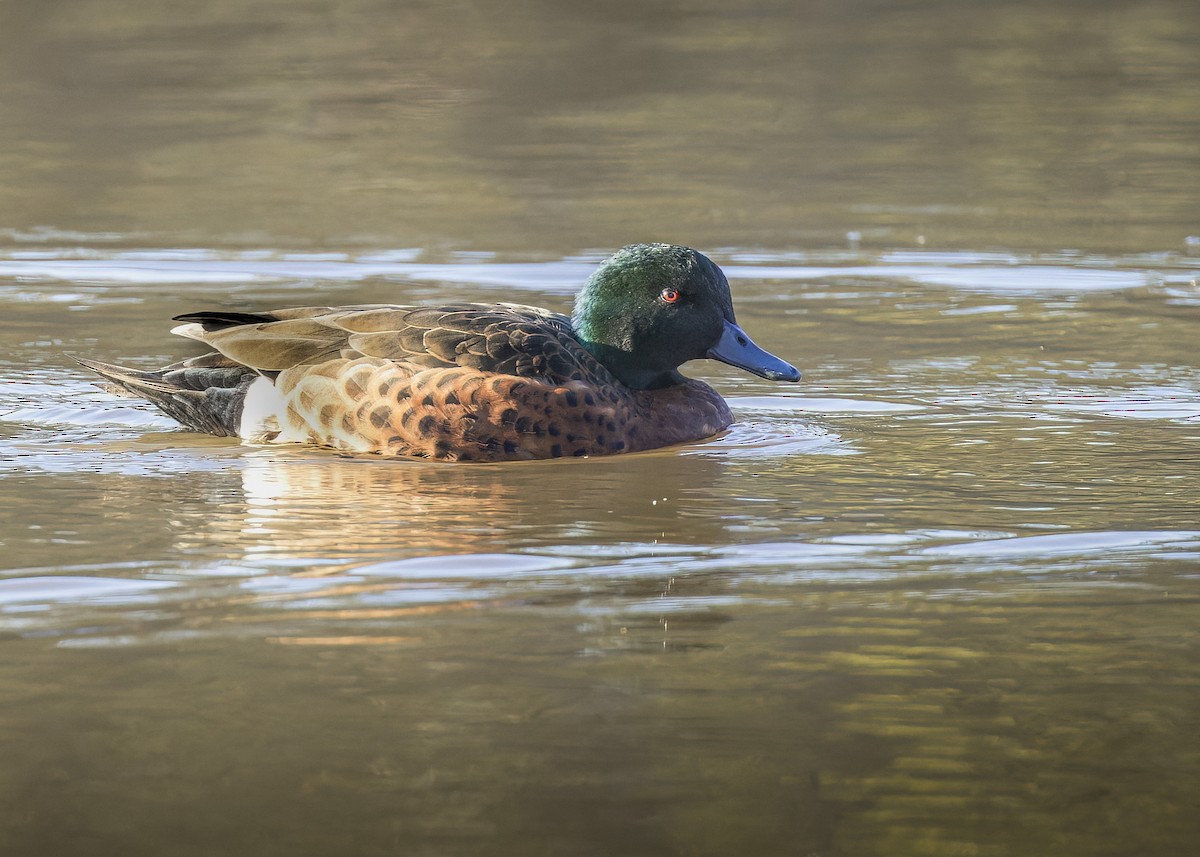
941,598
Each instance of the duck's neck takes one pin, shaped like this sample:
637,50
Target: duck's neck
681,413
633,374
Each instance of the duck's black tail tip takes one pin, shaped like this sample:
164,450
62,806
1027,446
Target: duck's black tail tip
126,382
201,398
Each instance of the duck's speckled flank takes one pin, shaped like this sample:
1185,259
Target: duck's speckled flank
457,414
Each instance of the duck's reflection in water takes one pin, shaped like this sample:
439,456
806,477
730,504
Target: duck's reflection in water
326,509
335,507
332,549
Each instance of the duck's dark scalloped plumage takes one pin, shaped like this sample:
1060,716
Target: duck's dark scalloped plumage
462,381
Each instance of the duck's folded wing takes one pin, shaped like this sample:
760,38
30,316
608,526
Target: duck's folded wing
501,338
263,343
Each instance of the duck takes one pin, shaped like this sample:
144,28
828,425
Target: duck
470,381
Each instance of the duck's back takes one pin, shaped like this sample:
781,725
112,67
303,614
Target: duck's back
505,339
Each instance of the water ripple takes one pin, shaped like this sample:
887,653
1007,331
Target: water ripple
970,272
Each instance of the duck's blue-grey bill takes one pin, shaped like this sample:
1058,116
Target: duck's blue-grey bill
738,349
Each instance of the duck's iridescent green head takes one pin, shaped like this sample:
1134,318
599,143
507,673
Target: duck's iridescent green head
651,307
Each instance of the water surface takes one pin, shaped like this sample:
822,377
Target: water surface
940,598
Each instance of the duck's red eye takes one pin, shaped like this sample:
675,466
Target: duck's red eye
669,295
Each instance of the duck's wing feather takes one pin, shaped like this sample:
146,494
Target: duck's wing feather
499,338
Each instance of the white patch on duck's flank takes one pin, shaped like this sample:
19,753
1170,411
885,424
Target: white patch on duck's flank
262,409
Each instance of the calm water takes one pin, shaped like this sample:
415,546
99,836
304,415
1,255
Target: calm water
941,598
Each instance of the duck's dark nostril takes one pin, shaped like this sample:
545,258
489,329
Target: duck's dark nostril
743,341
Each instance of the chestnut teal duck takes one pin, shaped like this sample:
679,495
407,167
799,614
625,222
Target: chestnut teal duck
470,381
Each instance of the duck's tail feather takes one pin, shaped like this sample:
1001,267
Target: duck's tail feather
195,393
